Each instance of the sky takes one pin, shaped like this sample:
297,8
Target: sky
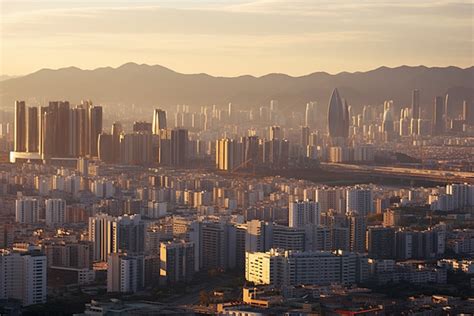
235,37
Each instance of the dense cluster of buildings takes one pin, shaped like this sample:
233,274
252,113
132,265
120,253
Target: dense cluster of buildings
132,211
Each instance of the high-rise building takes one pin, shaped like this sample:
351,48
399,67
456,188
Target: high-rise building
32,137
179,147
116,131
177,262
20,126
305,137
125,272
357,231
467,113
338,117
310,115
360,199
106,148
381,242
159,121
415,104
55,211
27,210
275,132
387,124
114,234
77,255
95,128
302,213
23,277
438,116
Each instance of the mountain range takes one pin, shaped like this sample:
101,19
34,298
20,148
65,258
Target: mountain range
158,86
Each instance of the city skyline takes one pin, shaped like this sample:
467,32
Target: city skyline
236,157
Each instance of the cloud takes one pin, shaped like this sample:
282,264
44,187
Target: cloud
283,32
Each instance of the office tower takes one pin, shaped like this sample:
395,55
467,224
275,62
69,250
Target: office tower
338,117
359,199
106,148
292,268
438,116
32,137
77,125
310,115
177,262
304,138
381,242
55,130
27,210
136,148
467,113
55,211
229,154
23,277
357,230
415,104
179,147
95,128
302,213
275,153
116,131
125,273
404,123
114,234
415,113
275,132
387,125
159,121
20,126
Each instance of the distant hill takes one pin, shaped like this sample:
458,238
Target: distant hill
148,86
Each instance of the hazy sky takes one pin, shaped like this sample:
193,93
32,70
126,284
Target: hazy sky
235,37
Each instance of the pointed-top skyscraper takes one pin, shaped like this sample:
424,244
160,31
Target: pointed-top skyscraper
338,116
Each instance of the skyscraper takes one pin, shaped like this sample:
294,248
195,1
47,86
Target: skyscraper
467,113
159,121
32,137
20,126
415,104
415,111
338,117
438,116
116,131
179,147
95,128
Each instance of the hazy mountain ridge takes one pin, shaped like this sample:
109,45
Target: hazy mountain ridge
160,86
